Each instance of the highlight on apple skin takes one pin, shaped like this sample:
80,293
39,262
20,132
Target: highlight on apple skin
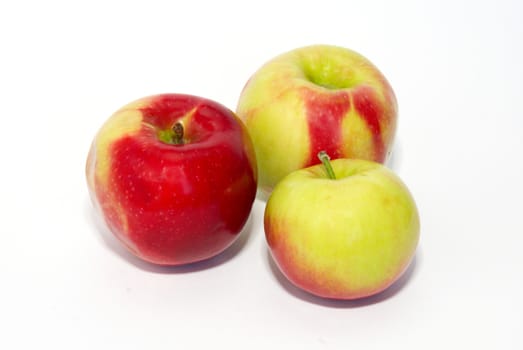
174,176
314,98
344,238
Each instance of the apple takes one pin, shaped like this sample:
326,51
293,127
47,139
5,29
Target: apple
343,230
174,177
314,98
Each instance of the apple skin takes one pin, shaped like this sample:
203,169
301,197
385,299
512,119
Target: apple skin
173,204
347,238
315,98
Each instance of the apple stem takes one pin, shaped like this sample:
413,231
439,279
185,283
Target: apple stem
177,136
325,159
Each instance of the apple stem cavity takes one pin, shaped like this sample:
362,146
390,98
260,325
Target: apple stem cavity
325,159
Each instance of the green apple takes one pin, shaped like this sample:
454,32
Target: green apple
316,98
346,229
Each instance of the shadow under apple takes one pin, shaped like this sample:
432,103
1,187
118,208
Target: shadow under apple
116,247
394,160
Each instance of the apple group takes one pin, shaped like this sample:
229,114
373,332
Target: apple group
174,176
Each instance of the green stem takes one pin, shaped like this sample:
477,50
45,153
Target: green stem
325,159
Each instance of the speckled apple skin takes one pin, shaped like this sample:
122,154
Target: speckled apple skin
315,98
347,238
173,204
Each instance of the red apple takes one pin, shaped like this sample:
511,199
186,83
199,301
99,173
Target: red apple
174,177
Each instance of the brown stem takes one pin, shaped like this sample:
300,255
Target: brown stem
177,137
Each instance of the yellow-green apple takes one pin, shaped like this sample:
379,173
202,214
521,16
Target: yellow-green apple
343,236
316,98
174,177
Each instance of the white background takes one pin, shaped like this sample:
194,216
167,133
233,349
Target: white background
65,283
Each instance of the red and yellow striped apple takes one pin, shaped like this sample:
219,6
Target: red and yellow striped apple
346,235
316,98
174,177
